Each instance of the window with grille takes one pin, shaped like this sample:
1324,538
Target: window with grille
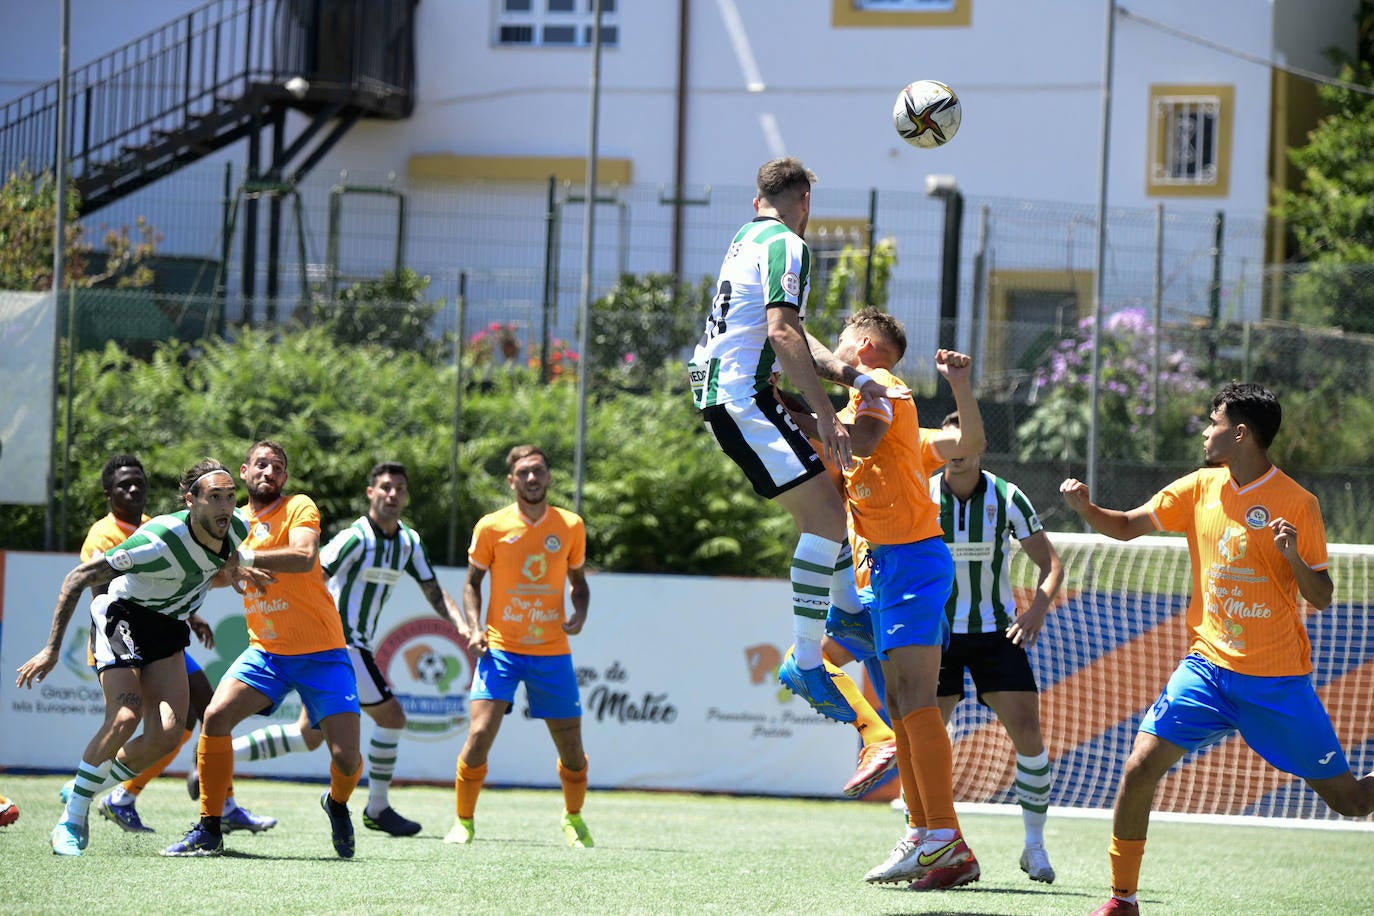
555,23
1190,139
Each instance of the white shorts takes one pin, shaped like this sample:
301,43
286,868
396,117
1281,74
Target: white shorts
758,434
372,685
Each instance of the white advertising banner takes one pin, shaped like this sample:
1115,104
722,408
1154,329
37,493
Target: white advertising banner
678,675
27,325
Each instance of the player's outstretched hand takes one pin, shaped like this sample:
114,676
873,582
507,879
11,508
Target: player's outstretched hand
1075,493
872,391
204,632
35,669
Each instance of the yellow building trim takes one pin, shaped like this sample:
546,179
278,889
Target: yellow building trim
452,167
844,14
1226,104
1003,284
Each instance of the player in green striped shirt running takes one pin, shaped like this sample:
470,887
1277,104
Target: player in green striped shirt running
157,579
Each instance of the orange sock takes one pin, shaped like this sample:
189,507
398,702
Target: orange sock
467,787
867,722
1125,856
215,758
574,786
140,782
341,784
911,793
932,758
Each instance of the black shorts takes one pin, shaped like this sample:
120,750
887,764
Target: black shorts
132,636
996,663
758,434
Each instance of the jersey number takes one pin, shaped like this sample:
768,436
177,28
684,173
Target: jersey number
720,307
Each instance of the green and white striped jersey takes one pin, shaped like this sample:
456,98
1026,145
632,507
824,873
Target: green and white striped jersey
766,263
362,564
164,569
979,533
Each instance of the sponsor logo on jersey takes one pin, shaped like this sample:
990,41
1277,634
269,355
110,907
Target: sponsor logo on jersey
120,560
535,567
1257,516
552,543
791,283
1231,545
261,530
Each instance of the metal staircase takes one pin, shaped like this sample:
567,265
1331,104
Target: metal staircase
216,75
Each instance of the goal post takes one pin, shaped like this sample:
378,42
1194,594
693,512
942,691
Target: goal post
1106,651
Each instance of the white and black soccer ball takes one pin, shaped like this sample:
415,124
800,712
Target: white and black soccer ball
927,114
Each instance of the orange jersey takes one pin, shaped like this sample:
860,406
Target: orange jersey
888,491
1243,612
294,615
106,533
529,563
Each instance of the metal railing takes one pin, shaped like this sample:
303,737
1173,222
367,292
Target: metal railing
187,77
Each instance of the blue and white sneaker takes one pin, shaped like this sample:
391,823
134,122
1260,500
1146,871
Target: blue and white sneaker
125,816
243,819
816,686
853,631
69,839
199,841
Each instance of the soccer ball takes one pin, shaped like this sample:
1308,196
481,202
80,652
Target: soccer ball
927,114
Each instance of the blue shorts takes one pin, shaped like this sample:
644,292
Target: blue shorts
1281,718
324,680
550,682
192,666
911,583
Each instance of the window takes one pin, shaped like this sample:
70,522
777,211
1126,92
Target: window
1028,312
900,13
1190,140
555,23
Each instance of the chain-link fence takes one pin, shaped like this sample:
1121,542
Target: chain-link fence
495,301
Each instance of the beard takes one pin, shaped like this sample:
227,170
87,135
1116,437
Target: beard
264,491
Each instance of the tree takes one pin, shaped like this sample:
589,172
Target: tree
28,213
642,323
1331,216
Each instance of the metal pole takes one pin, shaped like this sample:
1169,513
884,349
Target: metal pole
1158,295
872,245
1101,259
551,212
588,227
59,256
459,319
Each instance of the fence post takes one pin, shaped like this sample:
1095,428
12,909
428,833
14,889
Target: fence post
459,320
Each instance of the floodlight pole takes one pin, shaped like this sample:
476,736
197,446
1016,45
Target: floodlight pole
1101,258
59,266
588,227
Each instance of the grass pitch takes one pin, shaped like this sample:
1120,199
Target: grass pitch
655,853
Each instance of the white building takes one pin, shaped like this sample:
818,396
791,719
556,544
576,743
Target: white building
694,95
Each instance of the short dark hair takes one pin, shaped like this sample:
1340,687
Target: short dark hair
394,468
114,464
778,177
521,452
275,448
1255,406
195,472
872,321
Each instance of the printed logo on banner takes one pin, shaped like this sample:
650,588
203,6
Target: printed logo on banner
76,656
761,664
430,671
611,699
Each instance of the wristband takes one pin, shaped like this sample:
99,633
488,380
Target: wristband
859,381
246,557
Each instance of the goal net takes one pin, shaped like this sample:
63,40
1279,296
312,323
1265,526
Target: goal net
1106,652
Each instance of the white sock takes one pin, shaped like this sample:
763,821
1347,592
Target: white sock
1033,794
229,805
381,765
844,594
90,779
813,569
271,741
121,796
